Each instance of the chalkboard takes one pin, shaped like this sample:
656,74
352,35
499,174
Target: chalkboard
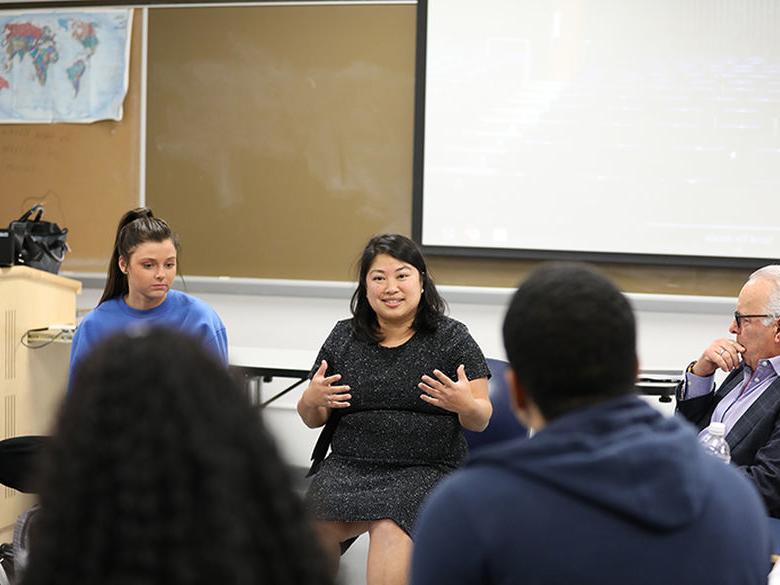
86,175
280,137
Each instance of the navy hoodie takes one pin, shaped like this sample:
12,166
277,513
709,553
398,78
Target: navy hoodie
611,494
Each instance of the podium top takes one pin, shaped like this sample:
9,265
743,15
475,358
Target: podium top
33,274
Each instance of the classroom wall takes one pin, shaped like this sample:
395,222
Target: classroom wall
281,169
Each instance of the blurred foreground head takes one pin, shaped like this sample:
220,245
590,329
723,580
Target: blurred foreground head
570,337
160,472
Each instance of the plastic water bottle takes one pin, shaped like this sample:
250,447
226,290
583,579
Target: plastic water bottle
714,441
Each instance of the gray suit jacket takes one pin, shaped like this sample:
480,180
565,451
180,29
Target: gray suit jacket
754,439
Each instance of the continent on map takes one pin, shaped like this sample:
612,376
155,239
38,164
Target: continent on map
44,54
84,32
25,38
75,73
20,39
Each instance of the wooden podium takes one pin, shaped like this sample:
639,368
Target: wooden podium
33,378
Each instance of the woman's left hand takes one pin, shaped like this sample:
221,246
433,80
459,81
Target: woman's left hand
442,391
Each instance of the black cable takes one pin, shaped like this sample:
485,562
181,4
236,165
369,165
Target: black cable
45,343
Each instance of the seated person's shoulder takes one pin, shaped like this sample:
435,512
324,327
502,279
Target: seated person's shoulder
105,314
341,331
447,326
191,303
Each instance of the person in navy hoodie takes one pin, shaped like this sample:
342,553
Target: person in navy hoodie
607,491
138,291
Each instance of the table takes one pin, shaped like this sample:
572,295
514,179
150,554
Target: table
662,383
255,365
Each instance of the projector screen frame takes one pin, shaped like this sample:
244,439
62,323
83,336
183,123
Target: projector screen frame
517,253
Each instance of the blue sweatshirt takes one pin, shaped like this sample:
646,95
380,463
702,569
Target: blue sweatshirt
178,311
611,494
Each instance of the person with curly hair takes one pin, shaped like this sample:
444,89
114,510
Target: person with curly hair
160,472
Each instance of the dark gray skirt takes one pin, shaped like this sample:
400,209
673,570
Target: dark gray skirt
350,490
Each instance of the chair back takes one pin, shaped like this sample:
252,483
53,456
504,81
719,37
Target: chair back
503,424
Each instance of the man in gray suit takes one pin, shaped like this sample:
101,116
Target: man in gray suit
748,400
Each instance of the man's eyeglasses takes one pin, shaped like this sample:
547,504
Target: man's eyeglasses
739,316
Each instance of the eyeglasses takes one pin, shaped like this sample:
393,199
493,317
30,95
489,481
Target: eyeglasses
739,316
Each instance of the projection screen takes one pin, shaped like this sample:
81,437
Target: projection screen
641,131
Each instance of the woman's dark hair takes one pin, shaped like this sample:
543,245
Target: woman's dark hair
160,472
136,227
364,323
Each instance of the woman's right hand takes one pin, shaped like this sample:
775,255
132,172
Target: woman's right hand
322,392
321,396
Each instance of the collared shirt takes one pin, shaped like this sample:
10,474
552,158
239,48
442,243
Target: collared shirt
741,397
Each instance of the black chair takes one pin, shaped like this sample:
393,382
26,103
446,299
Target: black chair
503,425
19,461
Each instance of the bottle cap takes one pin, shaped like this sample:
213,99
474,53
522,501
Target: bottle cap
717,428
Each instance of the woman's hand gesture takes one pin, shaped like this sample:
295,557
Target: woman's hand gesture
446,393
467,398
322,392
321,396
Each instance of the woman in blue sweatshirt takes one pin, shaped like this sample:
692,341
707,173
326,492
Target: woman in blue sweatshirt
138,291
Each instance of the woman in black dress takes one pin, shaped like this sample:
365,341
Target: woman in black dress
393,387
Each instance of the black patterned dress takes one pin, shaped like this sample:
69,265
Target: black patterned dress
390,447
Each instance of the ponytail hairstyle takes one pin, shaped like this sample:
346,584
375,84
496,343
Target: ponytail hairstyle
136,227
432,307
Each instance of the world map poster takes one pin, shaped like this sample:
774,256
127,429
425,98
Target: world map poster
63,66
